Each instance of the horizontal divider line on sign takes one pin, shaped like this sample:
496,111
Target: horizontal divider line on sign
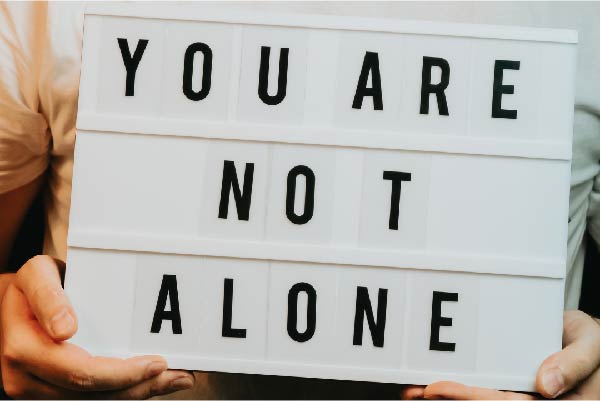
426,259
315,21
311,135
337,372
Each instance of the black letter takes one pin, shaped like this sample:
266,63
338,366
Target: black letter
207,65
291,194
363,308
395,196
311,314
498,89
370,62
438,89
438,321
131,62
230,179
168,287
226,326
264,74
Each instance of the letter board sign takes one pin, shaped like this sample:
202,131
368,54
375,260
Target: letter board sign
321,196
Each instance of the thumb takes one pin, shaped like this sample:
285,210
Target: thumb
565,369
40,281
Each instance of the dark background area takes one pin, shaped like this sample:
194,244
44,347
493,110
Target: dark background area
589,298
30,237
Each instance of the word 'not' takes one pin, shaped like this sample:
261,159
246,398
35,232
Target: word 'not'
242,197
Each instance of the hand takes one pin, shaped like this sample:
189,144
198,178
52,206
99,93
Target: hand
572,373
36,317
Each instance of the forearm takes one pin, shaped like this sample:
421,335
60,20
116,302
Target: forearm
5,280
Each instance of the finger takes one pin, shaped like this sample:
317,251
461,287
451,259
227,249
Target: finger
39,279
41,390
455,391
563,370
19,385
165,383
64,364
412,392
587,390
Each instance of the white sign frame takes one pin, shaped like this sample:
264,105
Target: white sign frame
108,238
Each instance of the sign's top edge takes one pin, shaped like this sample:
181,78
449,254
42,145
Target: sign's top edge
226,14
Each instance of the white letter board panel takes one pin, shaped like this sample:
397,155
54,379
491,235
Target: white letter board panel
321,196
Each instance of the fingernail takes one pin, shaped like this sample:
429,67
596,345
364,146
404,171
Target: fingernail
62,323
154,368
181,383
553,382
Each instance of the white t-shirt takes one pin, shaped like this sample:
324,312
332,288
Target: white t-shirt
40,53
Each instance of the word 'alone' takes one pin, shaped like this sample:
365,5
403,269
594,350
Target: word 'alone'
363,310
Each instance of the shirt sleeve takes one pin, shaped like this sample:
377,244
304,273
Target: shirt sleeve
584,194
24,135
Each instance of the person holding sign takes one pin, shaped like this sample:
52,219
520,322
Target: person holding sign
39,70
